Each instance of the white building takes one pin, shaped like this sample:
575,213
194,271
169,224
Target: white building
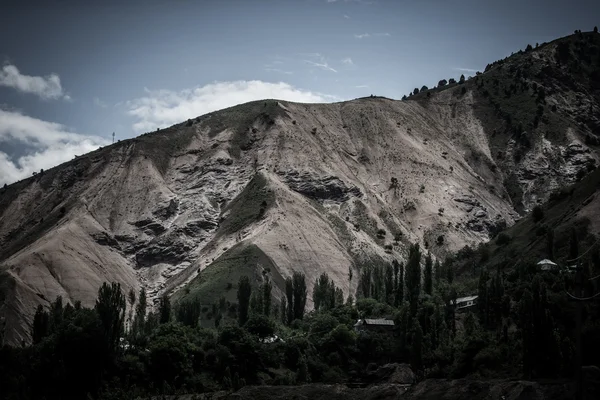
465,302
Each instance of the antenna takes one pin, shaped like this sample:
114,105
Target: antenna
113,137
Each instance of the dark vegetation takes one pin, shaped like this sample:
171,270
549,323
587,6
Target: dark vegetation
522,326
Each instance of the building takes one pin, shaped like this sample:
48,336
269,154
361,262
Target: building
374,325
547,265
463,303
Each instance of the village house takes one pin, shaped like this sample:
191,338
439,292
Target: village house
547,265
374,325
464,303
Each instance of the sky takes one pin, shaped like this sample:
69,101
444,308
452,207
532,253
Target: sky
73,72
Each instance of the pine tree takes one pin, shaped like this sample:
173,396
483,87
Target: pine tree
428,275
243,296
365,281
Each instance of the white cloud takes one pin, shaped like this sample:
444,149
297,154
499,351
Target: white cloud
279,71
47,87
322,65
367,35
100,103
361,86
347,61
471,70
162,108
50,144
346,16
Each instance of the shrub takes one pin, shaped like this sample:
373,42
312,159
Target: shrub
381,233
503,239
462,79
416,91
189,122
424,88
451,81
595,29
463,90
422,189
313,131
440,240
537,213
528,48
443,82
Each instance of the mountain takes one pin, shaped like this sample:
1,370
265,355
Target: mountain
270,187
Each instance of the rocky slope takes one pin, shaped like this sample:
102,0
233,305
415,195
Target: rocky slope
271,187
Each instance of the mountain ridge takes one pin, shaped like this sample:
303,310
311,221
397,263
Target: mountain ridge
312,186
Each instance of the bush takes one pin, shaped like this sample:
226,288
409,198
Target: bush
443,82
381,233
537,214
503,239
451,81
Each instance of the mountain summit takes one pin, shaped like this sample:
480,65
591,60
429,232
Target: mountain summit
271,187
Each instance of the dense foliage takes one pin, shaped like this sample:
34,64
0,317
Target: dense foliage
523,326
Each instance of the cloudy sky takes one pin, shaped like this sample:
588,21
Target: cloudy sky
72,72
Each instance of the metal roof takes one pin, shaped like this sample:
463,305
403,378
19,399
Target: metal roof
379,321
546,262
468,298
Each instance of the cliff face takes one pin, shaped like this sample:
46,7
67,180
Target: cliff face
271,187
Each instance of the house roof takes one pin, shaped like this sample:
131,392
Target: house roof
546,262
468,298
379,322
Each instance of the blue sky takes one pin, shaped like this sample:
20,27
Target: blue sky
73,72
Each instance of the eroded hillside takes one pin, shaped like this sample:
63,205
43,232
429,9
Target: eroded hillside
271,187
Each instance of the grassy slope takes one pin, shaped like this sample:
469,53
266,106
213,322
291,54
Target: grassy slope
528,239
214,281
246,207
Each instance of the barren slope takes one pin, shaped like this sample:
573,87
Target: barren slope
271,187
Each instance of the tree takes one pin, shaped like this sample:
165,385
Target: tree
462,79
550,244
243,296
365,280
424,88
416,91
299,285
399,290
482,300
416,351
442,82
537,214
188,313
573,245
451,81
320,291
389,284
40,324
289,294
428,275
140,313
164,309
260,325
528,48
267,299
595,29
413,278
110,307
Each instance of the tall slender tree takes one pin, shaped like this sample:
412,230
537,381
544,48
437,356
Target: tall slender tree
110,307
428,275
41,321
243,296
299,289
164,309
413,278
267,299
289,294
